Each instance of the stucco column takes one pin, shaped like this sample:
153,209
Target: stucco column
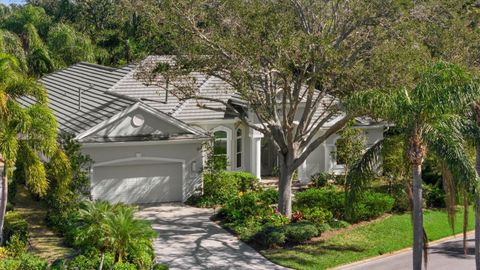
256,153
302,173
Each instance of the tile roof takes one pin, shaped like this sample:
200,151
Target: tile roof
158,96
88,83
79,99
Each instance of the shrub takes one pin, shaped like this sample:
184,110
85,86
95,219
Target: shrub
270,236
317,216
434,196
323,227
32,262
15,224
268,196
339,224
297,216
399,194
245,181
322,179
160,266
326,198
245,229
124,266
300,232
16,246
82,262
10,264
241,207
58,265
219,188
371,205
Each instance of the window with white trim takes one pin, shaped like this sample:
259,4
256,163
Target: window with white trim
221,147
239,149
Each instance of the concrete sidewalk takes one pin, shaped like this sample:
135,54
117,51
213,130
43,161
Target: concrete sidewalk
442,255
187,239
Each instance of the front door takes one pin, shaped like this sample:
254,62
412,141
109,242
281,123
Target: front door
269,158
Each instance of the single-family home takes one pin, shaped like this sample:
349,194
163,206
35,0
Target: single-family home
147,144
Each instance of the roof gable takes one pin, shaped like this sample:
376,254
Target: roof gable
140,122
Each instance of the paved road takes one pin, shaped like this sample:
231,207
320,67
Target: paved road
189,240
447,255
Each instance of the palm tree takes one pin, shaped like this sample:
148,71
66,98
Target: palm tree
128,233
430,116
25,130
91,229
113,228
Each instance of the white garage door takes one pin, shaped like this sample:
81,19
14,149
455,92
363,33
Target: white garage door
139,183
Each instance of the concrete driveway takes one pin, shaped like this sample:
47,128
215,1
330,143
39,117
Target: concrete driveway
445,255
187,239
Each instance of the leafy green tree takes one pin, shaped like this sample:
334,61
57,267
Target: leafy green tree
431,117
283,60
25,131
68,46
27,15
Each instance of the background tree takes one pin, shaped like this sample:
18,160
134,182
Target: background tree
431,116
25,132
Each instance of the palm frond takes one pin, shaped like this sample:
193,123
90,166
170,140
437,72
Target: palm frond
445,139
445,88
376,103
361,173
35,174
450,195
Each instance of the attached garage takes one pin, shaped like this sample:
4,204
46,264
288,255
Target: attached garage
143,181
143,156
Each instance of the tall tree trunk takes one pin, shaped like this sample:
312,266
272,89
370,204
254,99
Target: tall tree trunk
476,109
285,185
3,201
417,217
102,259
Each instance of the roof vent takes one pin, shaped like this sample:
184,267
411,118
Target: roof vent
80,92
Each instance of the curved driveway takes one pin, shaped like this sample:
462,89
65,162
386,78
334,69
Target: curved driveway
187,239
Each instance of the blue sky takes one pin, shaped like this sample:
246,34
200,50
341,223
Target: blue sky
12,1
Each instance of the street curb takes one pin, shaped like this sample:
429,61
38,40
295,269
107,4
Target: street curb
386,255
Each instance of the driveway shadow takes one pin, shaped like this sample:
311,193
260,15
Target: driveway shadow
188,239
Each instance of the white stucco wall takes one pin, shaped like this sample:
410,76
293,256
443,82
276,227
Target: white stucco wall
321,159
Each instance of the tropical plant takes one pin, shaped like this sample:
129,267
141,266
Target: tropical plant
113,228
26,129
431,117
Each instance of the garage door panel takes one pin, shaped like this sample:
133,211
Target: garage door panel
138,183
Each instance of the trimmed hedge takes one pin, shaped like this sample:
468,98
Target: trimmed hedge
300,232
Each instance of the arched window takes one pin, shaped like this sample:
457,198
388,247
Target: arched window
221,147
239,148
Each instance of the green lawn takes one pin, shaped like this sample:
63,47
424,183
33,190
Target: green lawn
373,239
